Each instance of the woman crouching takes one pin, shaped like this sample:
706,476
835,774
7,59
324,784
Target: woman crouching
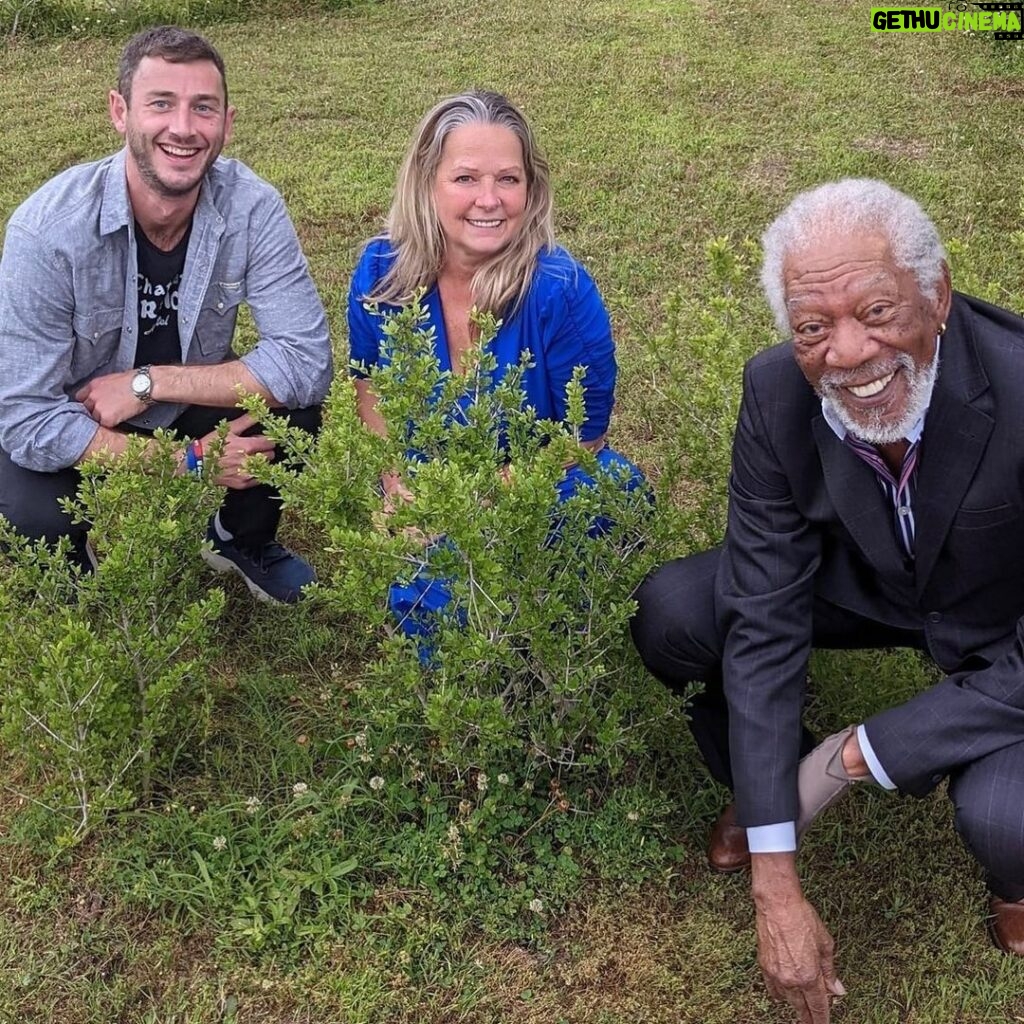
470,228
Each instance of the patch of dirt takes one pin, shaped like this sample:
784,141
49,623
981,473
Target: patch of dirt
769,172
905,149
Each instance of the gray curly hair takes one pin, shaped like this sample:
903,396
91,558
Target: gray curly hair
845,207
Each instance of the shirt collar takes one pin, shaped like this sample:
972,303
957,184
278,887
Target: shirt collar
116,211
913,434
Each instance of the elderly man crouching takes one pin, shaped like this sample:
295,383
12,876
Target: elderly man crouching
881,506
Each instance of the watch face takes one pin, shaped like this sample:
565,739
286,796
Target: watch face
141,384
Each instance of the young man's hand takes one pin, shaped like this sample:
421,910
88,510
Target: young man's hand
110,399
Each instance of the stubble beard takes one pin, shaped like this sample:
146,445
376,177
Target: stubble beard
141,150
870,425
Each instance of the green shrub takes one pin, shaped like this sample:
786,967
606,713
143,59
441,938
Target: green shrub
478,767
696,361
523,668
104,671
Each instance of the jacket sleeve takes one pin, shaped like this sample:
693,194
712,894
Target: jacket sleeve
41,428
293,357
765,589
961,718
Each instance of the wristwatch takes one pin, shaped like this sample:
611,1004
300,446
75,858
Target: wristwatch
142,385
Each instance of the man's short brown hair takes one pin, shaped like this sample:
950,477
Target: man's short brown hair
170,43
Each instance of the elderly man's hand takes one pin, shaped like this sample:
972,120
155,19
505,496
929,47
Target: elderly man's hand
795,952
794,948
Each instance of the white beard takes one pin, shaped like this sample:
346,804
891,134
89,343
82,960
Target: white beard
869,425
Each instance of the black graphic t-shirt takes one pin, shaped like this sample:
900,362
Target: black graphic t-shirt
159,276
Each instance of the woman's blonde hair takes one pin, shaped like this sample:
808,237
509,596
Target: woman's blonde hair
412,224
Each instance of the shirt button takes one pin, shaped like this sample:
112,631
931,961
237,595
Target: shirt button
220,305
935,616
903,510
95,334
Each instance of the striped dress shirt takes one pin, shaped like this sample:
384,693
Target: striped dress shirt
899,490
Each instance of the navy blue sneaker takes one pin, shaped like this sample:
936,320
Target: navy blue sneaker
271,572
83,554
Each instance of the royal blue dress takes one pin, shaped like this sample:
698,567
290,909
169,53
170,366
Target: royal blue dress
562,322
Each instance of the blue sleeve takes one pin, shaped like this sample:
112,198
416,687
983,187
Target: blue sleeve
364,333
578,333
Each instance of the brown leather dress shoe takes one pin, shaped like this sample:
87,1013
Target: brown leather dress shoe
1006,925
727,847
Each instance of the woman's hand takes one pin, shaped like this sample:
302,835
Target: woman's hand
395,491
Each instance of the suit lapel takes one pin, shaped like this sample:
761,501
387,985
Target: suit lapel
858,499
956,433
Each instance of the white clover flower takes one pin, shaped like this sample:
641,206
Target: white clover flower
220,843
300,789
452,849
376,783
366,757
418,776
481,782
537,906
360,739
633,816
503,779
252,804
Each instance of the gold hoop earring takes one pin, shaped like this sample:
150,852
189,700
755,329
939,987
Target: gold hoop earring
942,328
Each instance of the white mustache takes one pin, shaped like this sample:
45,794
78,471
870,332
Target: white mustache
832,379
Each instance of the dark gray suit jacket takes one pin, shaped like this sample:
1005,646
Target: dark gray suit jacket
807,518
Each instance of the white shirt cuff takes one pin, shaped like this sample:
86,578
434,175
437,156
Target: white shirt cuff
777,838
874,765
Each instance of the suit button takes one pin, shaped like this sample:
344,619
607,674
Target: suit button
935,616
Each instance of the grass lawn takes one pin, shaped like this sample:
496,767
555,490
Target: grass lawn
667,124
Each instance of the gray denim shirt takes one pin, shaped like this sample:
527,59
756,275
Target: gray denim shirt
69,302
